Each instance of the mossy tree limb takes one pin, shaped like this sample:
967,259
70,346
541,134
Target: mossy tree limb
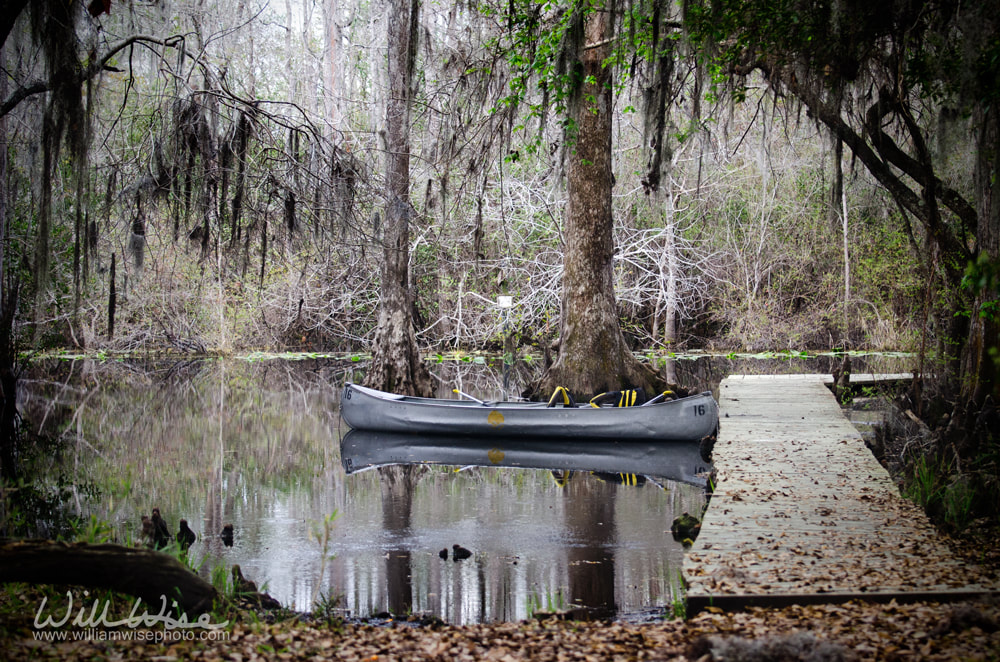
140,572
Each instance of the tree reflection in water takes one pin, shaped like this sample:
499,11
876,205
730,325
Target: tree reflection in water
590,518
398,483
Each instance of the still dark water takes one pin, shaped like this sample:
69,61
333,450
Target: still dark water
257,444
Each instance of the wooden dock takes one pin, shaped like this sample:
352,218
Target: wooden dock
803,513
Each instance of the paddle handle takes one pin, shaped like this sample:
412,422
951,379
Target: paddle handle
466,395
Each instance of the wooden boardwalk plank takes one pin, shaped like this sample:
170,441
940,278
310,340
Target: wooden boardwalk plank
803,513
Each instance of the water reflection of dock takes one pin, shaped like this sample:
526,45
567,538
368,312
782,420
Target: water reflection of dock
803,513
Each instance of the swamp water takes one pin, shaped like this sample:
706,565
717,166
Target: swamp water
257,444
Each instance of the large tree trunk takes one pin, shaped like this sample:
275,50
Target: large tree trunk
9,418
981,364
396,364
50,147
669,267
334,88
593,355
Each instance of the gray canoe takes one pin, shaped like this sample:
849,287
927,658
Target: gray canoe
680,462
686,419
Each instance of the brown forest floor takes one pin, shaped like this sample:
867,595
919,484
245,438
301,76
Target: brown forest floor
965,631
852,631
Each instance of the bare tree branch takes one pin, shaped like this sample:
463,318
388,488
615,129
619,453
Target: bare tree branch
88,73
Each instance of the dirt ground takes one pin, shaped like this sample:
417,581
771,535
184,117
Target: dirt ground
852,631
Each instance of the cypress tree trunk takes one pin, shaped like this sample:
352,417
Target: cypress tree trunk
396,364
79,244
671,274
50,139
981,359
112,299
9,417
242,143
593,355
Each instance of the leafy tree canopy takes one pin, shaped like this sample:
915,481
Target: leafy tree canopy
943,50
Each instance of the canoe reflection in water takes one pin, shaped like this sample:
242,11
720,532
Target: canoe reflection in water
581,571
681,462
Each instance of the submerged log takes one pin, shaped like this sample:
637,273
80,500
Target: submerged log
140,572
